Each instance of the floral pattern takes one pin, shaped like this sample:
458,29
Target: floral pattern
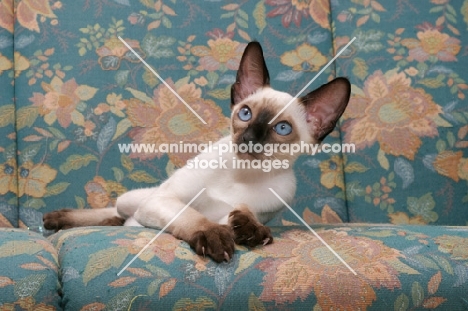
101,193
33,179
29,275
9,213
295,10
221,54
60,101
392,113
27,12
114,50
408,115
84,93
426,271
315,268
305,57
432,45
73,93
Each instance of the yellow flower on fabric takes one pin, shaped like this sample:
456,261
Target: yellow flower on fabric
103,193
432,43
221,54
5,64
332,172
304,58
456,246
34,178
401,218
8,173
21,63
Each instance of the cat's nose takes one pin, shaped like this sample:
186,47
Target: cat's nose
254,133
249,137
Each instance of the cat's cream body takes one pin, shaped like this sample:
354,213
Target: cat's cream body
236,202
226,188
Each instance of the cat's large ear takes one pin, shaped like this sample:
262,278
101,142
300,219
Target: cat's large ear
325,106
251,75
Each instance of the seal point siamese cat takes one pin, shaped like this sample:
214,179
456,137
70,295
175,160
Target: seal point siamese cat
236,202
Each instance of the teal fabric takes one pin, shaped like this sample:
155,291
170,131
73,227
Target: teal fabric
74,151
28,272
398,267
109,92
71,92
8,167
408,115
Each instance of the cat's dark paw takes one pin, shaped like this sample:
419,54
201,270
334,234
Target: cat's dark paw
57,220
216,242
247,230
113,221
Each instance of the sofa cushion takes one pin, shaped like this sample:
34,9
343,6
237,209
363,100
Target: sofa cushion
8,167
398,267
408,116
28,273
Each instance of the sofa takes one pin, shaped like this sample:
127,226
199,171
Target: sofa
395,209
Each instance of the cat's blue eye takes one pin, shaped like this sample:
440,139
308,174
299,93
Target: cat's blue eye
283,128
245,114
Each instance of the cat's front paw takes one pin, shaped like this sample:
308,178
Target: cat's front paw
216,242
247,230
57,220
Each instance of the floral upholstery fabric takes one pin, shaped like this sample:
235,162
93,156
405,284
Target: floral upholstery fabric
71,93
398,267
81,92
408,115
28,272
8,167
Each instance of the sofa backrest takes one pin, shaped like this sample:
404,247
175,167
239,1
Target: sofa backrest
408,115
84,93
79,93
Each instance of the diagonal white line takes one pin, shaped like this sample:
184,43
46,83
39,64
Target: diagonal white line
313,79
313,231
161,79
160,232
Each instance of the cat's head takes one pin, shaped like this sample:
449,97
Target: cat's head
254,104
